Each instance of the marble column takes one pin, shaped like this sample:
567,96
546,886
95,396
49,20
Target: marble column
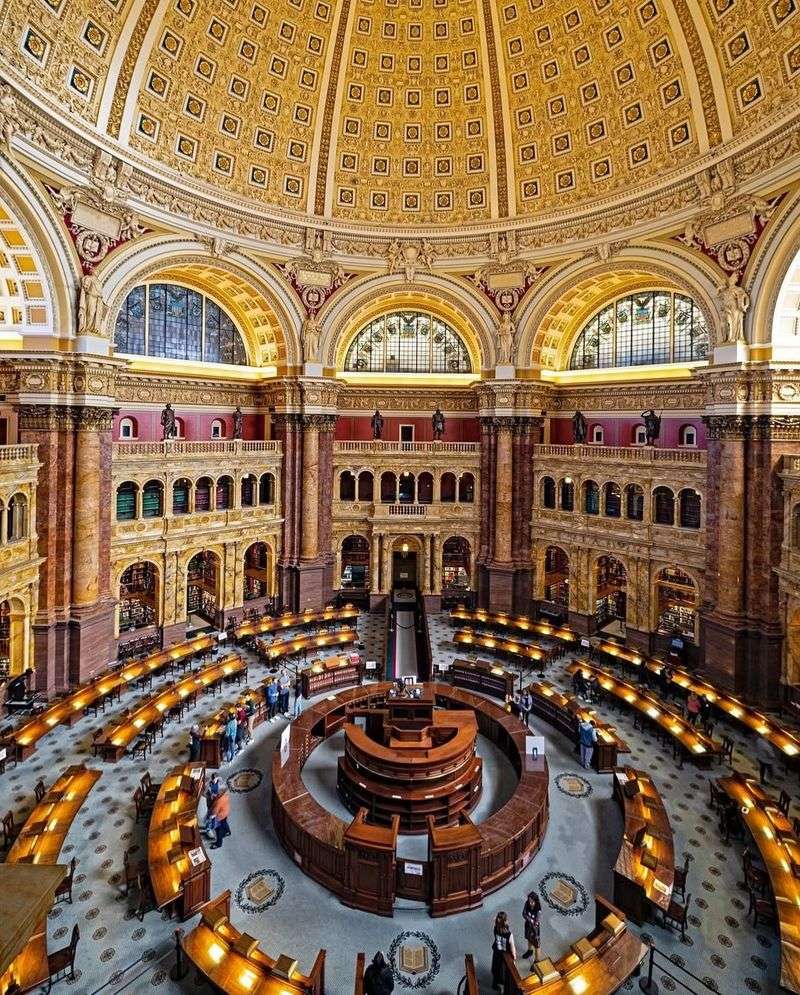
309,542
503,492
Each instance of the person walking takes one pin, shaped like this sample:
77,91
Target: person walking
692,708
525,705
213,789
272,700
587,737
230,736
531,912
194,742
297,708
220,811
284,684
705,713
241,728
250,713
765,755
503,941
378,977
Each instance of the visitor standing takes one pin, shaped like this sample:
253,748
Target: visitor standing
194,742
766,758
272,699
525,705
503,941
298,696
587,737
531,913
692,707
378,977
250,712
230,736
284,683
220,811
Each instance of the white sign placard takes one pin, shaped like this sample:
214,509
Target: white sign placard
371,665
416,869
3,753
534,746
285,735
196,856
585,644
443,666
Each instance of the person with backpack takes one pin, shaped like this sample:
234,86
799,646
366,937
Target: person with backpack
503,941
378,977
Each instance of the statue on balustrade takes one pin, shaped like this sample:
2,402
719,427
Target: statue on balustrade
238,422
169,423
377,425
579,427
437,421
652,426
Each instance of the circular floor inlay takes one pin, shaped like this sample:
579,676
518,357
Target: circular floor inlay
245,780
564,894
415,959
573,785
259,891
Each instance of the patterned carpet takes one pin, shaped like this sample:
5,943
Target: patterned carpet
288,913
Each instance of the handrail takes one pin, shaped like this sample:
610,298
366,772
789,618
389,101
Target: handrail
633,454
19,453
650,987
395,446
178,447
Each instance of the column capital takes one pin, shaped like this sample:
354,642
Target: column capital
324,423
780,428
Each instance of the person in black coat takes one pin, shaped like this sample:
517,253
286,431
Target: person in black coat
378,977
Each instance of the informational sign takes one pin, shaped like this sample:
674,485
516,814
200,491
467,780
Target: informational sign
222,637
443,666
196,773
285,735
3,753
371,665
585,644
534,746
417,870
196,856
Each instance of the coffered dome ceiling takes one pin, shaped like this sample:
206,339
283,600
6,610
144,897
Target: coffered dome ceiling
399,112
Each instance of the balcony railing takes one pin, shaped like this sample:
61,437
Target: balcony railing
412,510
19,454
391,447
624,454
177,447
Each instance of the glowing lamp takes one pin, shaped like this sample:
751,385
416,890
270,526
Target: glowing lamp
138,723
790,749
247,979
216,952
699,748
653,713
578,985
52,720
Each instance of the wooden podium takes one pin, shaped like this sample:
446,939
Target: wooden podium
454,854
370,865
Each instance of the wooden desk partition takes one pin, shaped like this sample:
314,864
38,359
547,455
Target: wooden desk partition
565,712
780,850
647,837
370,865
331,673
701,749
480,675
597,964
179,868
232,961
116,738
523,654
454,853
515,624
328,616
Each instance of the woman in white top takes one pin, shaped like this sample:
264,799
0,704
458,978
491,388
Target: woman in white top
503,941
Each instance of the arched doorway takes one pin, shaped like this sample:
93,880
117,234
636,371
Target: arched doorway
13,642
202,590
556,577
138,596
405,562
355,564
456,567
611,593
257,571
676,604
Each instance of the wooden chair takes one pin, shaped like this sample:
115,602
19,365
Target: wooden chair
133,871
144,806
757,881
715,795
141,746
149,789
784,802
763,910
147,899
676,916
61,963
10,831
681,875
39,790
727,750
64,890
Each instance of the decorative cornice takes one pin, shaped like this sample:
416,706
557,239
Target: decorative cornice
94,419
45,417
760,428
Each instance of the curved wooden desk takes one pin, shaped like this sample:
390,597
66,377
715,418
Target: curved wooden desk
232,962
179,868
644,873
328,616
697,746
303,643
522,653
565,712
481,675
516,624
780,850
117,737
597,964
331,673
213,729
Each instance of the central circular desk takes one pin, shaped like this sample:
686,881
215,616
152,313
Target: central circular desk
358,861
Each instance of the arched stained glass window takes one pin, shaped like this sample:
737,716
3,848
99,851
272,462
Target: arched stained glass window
173,322
407,342
653,326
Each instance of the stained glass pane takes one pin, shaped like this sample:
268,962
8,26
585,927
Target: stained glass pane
129,335
407,342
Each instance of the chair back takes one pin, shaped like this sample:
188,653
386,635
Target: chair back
146,781
686,907
137,798
73,943
39,790
784,801
8,826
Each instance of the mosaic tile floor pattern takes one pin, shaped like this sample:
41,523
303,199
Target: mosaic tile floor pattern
289,913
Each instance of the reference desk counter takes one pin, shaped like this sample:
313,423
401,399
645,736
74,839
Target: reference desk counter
179,868
515,624
644,873
687,741
780,850
597,964
304,644
232,961
346,615
116,738
331,673
565,712
523,654
480,675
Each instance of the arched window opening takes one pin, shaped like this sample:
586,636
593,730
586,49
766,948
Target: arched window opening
425,488
597,435
224,494
366,486
407,342
266,489
447,488
173,322
153,499
648,327
347,486
466,488
612,497
548,492
663,506
202,494
611,585
566,488
689,509
556,576
17,518
126,501
180,496
456,566
388,488
256,571
687,436
406,483
677,603
202,591
639,435
249,491
218,429
355,564
138,591
14,628
591,498
127,429
634,503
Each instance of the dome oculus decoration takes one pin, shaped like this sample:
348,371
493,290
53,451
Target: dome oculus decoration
407,342
168,321
642,329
